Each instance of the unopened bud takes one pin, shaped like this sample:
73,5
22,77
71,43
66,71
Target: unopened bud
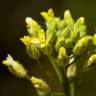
82,45
41,86
79,22
15,67
71,71
82,31
51,13
92,60
32,26
74,35
34,29
59,43
48,15
65,32
68,18
62,57
94,40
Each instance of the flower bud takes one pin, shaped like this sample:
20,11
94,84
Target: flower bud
82,31
48,15
82,45
34,29
62,57
32,26
68,18
59,43
74,35
68,43
79,23
92,60
51,13
65,32
94,40
62,52
15,67
41,86
71,71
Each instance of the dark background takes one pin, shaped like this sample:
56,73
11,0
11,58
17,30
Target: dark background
12,27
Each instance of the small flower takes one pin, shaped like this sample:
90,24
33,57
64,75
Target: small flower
32,46
14,67
41,86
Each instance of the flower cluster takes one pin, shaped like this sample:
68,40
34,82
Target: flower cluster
67,45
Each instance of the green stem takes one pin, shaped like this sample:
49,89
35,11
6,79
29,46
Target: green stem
65,82
72,89
53,62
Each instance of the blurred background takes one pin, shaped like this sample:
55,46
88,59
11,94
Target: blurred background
12,27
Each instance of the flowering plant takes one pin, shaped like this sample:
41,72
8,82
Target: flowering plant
68,46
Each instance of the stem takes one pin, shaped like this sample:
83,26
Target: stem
65,83
53,62
72,89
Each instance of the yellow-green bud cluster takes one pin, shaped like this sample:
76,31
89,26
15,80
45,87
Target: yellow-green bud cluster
61,39
59,33
65,42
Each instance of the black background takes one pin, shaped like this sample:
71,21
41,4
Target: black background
12,27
